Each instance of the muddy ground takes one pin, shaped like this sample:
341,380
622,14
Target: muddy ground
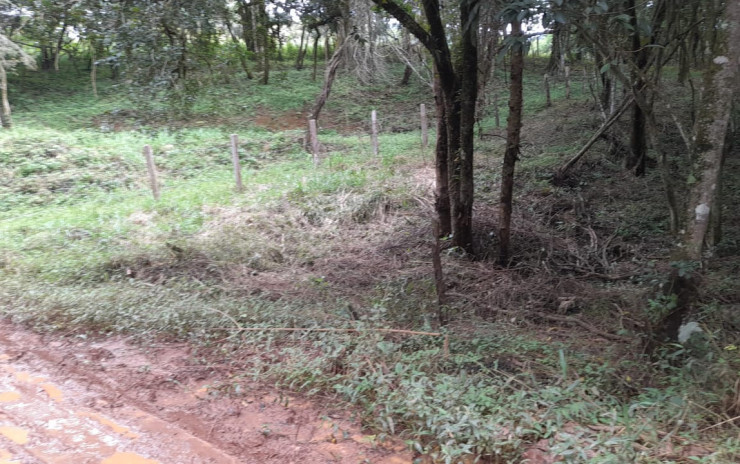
73,401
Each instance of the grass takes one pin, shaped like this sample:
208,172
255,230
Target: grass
84,249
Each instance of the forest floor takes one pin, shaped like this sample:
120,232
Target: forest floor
256,323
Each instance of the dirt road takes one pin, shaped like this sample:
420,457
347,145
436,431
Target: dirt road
109,402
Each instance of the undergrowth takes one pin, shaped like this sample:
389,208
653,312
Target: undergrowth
85,250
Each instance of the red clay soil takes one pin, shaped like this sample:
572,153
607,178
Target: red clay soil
68,401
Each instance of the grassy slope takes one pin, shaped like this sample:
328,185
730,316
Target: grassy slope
84,249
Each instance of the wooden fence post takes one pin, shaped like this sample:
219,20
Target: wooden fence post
567,82
152,171
313,131
547,90
424,127
235,162
374,124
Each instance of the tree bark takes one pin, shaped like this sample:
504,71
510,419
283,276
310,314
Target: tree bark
406,76
513,134
58,47
441,169
434,39
264,37
468,100
638,140
329,76
93,69
301,49
5,118
242,57
720,84
316,54
246,19
556,52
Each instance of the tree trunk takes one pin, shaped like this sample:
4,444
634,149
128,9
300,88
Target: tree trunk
720,83
452,113
434,38
93,70
441,169
406,76
265,43
58,47
244,10
638,141
329,75
316,54
644,56
468,100
513,133
5,118
242,56
605,91
556,53
301,50
47,58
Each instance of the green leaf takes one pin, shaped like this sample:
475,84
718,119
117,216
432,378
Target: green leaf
563,364
605,68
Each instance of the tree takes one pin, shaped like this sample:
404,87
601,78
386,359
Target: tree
513,136
48,26
11,55
456,95
634,41
720,87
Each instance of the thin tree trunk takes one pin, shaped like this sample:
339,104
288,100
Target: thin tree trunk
301,49
329,76
406,76
58,49
513,133
468,100
242,57
452,112
441,168
253,30
5,118
316,54
720,84
93,70
638,141
265,42
556,52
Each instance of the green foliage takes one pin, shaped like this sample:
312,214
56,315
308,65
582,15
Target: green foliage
85,249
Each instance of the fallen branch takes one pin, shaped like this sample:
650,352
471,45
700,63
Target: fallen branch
569,319
730,420
560,174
